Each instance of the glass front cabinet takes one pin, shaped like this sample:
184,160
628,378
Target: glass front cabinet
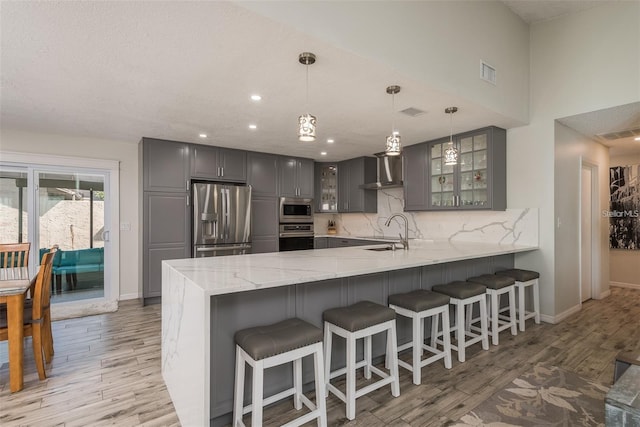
326,187
477,181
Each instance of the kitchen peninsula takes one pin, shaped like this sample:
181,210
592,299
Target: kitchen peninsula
204,301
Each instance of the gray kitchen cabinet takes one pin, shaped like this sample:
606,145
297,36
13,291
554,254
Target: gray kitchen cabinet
341,242
414,177
476,182
320,243
165,165
219,164
264,224
262,174
165,236
352,174
295,177
326,192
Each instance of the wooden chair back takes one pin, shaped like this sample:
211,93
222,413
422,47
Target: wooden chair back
42,289
14,260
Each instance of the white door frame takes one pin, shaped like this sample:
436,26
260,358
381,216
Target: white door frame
112,215
596,256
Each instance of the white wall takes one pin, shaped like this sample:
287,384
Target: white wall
124,152
439,43
624,265
571,150
583,62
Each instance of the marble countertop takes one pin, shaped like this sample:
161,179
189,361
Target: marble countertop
241,273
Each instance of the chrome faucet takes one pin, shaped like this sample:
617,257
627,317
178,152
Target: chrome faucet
404,241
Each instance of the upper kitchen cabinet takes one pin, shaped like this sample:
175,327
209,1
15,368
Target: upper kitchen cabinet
295,177
165,165
326,181
477,181
352,175
262,175
219,164
415,177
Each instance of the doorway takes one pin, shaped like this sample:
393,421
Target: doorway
588,230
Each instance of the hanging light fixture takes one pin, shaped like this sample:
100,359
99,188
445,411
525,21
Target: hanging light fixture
394,147
451,153
307,122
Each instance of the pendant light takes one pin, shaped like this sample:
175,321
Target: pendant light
451,153
307,122
394,147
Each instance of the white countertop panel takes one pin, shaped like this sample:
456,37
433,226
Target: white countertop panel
240,273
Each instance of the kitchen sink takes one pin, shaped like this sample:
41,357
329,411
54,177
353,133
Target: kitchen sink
382,248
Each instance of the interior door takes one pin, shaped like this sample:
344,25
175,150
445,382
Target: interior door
586,235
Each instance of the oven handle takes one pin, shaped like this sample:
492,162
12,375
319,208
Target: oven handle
294,234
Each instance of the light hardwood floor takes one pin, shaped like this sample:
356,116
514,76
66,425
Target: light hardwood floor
106,371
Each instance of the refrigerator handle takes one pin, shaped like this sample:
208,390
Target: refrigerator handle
223,213
227,215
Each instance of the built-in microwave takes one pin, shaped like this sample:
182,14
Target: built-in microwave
296,210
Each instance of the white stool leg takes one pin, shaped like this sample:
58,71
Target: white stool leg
494,317
460,330
417,346
421,323
512,310
297,384
536,300
351,378
483,323
257,390
434,328
238,399
392,338
367,357
321,403
446,337
328,336
521,312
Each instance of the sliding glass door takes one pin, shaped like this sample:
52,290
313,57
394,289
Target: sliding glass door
65,207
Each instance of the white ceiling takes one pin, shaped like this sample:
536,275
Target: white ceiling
532,11
173,70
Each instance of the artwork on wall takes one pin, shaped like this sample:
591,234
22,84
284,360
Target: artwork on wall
624,211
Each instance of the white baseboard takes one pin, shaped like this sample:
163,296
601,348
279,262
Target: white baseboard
625,285
605,294
124,297
560,317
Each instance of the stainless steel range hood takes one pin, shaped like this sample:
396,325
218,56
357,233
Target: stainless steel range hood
389,172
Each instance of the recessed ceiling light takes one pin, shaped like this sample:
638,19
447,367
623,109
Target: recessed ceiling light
636,138
203,135
323,153
252,127
330,141
256,97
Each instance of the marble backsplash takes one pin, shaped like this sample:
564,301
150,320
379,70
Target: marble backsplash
513,226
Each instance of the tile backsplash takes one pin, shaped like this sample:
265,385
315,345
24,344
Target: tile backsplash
513,226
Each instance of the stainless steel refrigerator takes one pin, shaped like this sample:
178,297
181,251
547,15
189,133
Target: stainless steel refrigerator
221,219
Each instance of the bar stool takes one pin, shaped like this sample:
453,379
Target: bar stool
418,305
465,294
264,347
524,279
497,286
361,320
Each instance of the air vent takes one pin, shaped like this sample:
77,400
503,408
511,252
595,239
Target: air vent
620,134
413,112
487,72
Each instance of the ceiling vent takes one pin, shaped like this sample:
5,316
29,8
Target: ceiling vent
413,112
612,136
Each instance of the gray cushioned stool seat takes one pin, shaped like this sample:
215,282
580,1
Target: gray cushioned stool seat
461,290
493,281
419,300
358,316
266,341
519,275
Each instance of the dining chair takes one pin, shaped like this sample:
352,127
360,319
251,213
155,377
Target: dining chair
34,323
14,260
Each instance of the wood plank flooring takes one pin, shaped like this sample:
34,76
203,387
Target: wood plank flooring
106,371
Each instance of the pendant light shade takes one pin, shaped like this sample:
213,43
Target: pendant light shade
451,153
394,146
307,122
